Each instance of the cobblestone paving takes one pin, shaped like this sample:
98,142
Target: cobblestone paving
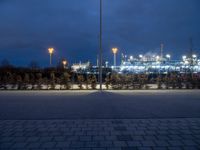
97,134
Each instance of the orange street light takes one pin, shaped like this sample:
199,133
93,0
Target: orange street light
115,50
64,63
51,51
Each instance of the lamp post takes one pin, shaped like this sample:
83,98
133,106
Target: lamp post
168,57
51,51
131,58
100,48
64,62
141,57
115,50
194,57
184,62
158,58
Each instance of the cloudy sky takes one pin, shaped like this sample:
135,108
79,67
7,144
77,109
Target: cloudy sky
29,27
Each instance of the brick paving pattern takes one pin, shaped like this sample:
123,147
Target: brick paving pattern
101,134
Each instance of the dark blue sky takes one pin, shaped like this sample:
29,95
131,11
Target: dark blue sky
29,27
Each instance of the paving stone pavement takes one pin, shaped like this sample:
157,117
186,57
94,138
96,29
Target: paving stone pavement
101,134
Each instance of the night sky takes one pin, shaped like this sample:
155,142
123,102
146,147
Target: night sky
29,27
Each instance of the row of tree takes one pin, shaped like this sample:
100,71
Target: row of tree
49,78
37,79
179,81
143,81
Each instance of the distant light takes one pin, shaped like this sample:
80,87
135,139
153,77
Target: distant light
64,62
186,62
184,57
168,56
106,63
194,56
140,56
51,50
131,57
114,50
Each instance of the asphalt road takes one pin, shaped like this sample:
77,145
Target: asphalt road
99,105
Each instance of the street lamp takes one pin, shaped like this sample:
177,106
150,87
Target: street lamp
168,56
141,57
194,56
64,62
106,64
51,51
157,58
131,58
125,58
115,50
100,47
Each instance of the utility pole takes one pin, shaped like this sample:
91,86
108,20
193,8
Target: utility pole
100,48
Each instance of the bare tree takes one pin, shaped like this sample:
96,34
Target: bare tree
52,80
80,81
107,81
19,82
26,80
39,80
93,82
65,80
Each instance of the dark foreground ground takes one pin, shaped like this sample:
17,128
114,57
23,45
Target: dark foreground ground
96,105
120,120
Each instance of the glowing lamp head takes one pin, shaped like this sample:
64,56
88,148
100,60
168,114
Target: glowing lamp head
131,57
140,56
64,62
168,56
184,57
186,62
114,50
194,56
51,50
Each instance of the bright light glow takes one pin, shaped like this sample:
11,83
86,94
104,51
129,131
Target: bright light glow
194,56
114,50
140,56
131,57
157,57
184,57
51,50
64,62
106,63
168,56
186,62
